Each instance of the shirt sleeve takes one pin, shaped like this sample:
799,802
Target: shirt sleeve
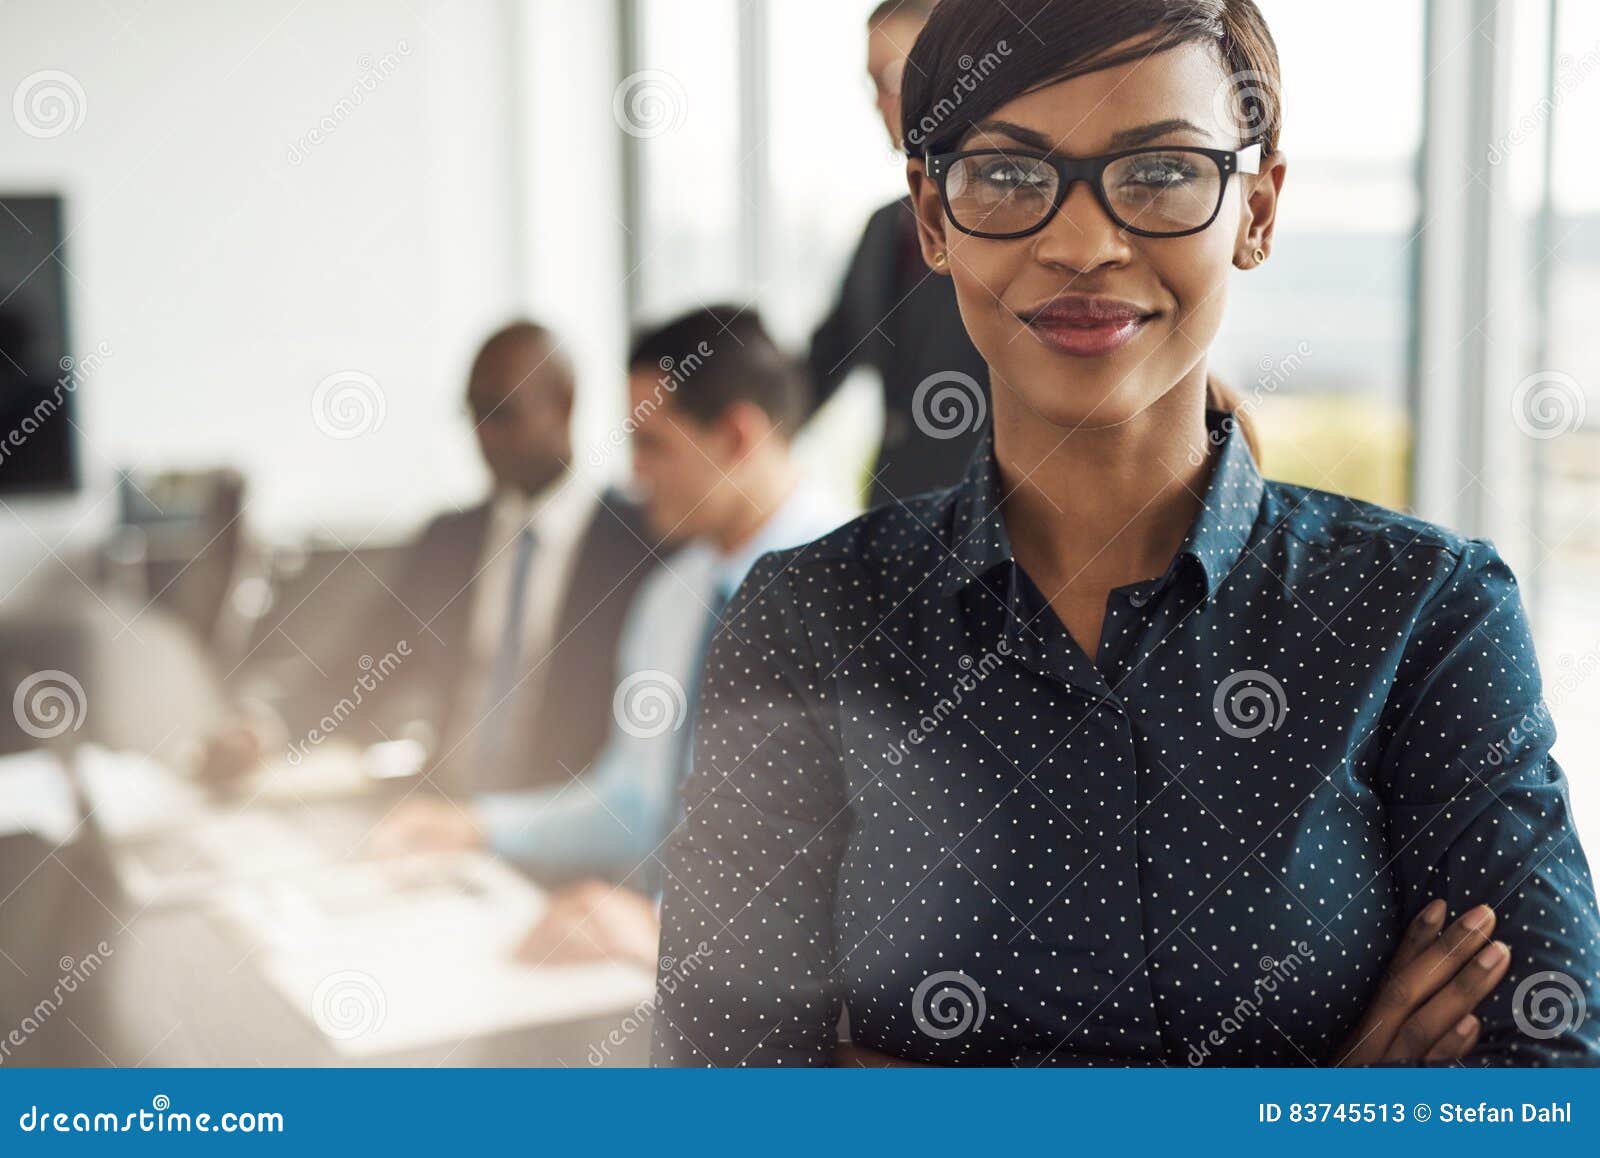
1478,812
747,931
605,822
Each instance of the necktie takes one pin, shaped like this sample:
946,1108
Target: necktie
503,675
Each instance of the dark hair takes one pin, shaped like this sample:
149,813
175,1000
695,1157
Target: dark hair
974,56
714,356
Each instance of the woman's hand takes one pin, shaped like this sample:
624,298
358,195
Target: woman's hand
1423,1008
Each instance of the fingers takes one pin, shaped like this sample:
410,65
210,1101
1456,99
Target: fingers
1443,1013
1407,987
1422,932
1430,986
1456,1044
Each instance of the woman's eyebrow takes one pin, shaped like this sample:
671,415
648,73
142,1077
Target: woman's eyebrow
1130,138
1121,139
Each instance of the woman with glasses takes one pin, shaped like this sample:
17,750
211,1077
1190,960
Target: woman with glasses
1118,753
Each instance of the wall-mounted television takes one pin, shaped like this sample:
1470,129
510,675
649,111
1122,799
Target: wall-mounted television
38,374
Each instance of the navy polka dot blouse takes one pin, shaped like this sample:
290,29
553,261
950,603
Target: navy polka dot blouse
916,802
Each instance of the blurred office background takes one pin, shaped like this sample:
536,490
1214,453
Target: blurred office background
279,232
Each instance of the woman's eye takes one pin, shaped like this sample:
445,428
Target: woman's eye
1012,175
1161,173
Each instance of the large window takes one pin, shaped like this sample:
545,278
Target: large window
1554,415
1317,340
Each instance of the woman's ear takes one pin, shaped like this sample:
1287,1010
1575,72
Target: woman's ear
925,203
1259,214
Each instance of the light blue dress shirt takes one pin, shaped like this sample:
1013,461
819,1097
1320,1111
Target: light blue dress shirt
610,820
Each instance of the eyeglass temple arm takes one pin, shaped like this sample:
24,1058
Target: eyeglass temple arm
1248,159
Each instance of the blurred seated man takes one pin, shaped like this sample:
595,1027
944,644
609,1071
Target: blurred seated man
713,406
511,609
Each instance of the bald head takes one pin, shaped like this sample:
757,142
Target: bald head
520,394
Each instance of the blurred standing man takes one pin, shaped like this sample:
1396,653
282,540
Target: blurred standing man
711,454
898,317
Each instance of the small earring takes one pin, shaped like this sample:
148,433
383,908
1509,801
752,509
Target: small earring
940,260
1258,255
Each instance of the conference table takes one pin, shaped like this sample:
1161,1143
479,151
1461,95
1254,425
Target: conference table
90,976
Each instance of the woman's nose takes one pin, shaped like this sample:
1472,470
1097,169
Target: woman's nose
1082,234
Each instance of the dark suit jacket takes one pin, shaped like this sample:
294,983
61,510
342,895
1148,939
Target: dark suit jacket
896,316
559,722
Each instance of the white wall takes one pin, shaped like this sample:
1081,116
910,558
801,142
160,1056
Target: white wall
230,261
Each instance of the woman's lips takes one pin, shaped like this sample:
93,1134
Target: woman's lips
1087,328
1090,341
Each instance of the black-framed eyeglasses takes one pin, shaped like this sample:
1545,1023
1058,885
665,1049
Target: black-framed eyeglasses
1162,191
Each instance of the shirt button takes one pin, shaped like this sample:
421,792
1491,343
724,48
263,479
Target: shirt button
1138,599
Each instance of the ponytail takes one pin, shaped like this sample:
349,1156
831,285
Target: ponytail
1223,398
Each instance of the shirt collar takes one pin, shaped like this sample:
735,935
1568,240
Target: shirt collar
552,513
803,516
1219,535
